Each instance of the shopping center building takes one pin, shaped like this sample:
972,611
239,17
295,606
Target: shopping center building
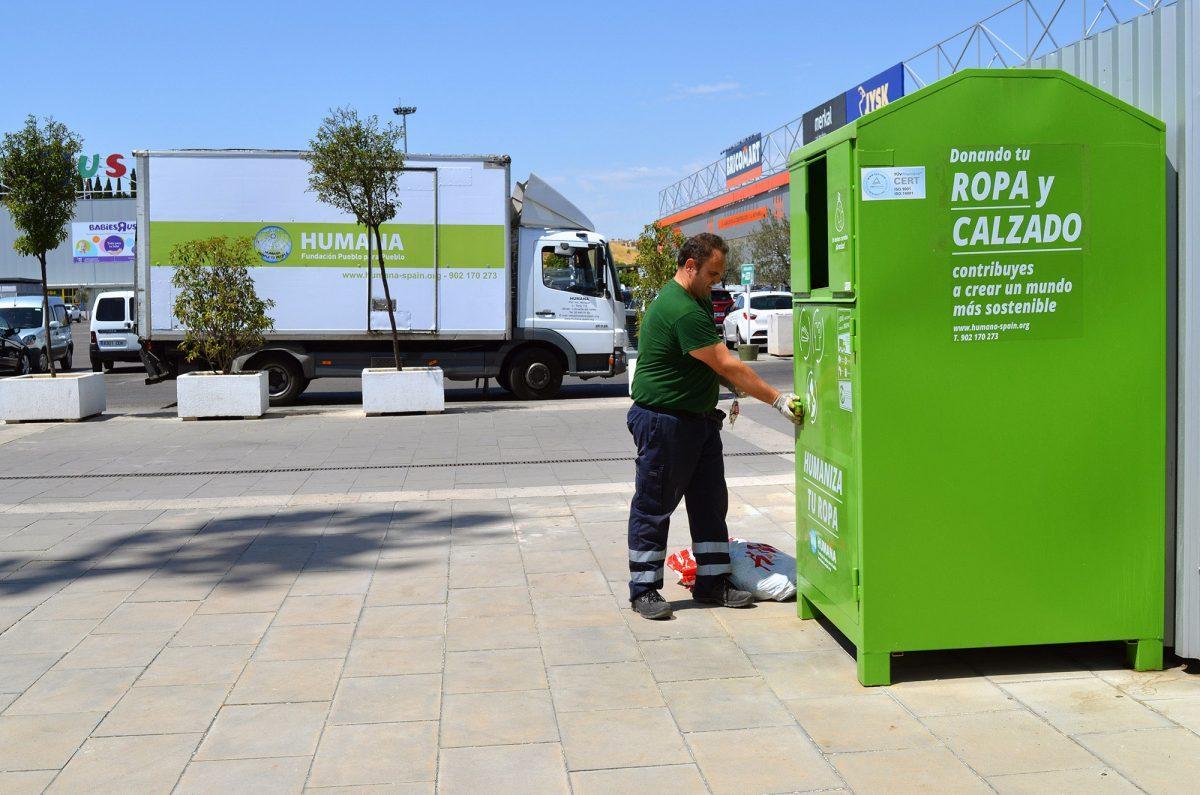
98,252
734,195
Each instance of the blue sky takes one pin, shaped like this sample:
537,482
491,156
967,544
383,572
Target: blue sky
609,101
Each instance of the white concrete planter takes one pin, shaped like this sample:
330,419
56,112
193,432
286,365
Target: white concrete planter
779,334
69,397
387,390
208,394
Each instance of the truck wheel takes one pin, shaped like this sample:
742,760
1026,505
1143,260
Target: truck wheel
502,380
535,375
285,381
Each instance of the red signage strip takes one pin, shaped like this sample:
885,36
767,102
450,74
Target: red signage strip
745,217
725,199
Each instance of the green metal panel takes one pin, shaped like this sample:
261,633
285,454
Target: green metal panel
840,220
798,185
997,414
826,458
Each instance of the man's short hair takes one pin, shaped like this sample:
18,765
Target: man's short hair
700,247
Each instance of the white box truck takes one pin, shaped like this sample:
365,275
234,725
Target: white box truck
519,288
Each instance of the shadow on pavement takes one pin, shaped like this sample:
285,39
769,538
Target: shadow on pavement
232,549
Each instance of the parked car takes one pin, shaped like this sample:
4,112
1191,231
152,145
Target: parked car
746,321
15,358
722,300
74,312
24,313
114,330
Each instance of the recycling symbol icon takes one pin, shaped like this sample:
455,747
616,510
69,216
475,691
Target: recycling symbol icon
811,398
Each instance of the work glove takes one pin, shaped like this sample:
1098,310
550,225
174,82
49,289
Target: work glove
788,404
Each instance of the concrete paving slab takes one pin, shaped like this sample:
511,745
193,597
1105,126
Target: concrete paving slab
504,718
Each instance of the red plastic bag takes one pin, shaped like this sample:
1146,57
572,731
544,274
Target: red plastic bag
684,565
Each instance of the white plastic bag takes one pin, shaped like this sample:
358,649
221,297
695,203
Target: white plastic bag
760,569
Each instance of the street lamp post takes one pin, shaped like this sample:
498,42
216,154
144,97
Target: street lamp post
404,111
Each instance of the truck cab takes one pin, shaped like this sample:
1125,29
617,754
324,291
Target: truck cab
568,294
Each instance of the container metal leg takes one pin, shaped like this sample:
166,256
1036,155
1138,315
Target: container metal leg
805,608
874,668
1145,655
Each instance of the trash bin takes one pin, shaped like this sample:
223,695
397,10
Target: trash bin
979,335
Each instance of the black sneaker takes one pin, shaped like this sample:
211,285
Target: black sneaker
651,605
726,596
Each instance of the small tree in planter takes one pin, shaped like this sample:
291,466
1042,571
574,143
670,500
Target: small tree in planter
37,169
223,317
356,166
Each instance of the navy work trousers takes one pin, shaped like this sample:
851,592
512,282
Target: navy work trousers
679,458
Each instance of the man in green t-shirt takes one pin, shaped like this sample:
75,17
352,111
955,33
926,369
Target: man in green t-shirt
680,365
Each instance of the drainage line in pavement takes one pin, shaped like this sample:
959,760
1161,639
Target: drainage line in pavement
271,471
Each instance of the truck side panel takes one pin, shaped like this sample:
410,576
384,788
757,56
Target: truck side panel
446,251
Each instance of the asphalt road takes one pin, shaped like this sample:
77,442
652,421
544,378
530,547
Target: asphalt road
128,393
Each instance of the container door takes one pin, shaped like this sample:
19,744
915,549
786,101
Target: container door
826,510
823,216
410,259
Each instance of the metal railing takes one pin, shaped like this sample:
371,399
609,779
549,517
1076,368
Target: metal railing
1020,32
1013,36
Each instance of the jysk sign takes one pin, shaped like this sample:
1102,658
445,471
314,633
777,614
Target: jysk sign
743,160
873,94
824,118
103,241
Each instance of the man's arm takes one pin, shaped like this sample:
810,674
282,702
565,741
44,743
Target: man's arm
735,373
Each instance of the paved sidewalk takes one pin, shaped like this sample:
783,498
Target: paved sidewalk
463,628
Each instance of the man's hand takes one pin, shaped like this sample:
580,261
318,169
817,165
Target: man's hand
788,404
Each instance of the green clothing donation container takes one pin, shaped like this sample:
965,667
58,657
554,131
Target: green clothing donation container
980,346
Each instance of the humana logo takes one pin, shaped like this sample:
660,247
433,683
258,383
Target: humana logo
347,241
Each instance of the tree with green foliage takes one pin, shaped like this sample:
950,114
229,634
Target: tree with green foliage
355,166
133,183
771,251
221,313
37,165
733,262
655,263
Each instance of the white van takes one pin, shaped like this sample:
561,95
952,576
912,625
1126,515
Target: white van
114,330
24,313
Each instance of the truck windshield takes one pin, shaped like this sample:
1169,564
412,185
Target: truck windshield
581,271
22,316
